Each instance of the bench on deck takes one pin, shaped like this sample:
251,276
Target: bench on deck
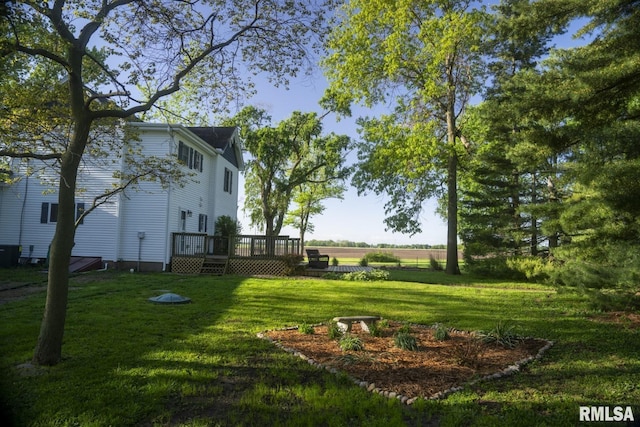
344,322
316,260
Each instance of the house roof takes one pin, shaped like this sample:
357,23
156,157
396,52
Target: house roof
225,139
217,137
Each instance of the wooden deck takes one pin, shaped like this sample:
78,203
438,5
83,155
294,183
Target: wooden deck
339,269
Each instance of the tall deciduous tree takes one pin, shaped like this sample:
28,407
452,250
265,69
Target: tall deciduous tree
95,52
425,57
308,199
284,158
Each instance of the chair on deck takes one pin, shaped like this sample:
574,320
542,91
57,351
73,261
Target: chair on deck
316,260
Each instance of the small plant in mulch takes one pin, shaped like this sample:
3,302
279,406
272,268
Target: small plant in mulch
333,331
350,342
503,334
441,332
354,359
306,329
405,341
469,353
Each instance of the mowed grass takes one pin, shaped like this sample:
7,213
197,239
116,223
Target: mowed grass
129,362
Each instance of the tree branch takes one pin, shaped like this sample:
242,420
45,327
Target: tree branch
28,155
175,84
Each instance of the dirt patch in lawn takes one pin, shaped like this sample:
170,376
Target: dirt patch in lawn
16,291
430,372
625,319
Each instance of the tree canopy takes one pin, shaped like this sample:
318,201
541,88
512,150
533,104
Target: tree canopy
424,58
284,160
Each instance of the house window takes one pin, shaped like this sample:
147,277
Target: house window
49,212
183,153
228,180
183,220
190,157
202,223
197,161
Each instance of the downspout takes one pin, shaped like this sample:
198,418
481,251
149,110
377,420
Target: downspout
167,236
24,204
118,248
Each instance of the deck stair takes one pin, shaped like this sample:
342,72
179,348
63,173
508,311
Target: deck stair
215,266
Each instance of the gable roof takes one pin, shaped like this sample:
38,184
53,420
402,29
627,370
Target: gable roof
225,139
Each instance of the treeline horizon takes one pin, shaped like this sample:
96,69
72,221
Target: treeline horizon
351,244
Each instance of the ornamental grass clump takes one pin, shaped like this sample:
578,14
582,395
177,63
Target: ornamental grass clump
405,341
350,342
503,334
441,332
305,328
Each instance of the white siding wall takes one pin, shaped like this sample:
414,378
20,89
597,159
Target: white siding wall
145,210
224,203
23,226
194,197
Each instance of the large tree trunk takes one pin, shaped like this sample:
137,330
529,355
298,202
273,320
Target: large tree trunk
48,350
452,216
452,178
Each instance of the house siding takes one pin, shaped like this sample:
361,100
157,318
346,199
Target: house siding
112,230
23,227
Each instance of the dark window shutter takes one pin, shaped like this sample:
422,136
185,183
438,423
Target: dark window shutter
53,213
44,213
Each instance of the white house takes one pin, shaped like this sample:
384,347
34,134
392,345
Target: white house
134,228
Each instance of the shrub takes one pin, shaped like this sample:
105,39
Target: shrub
350,342
359,276
363,262
441,333
366,276
435,264
533,268
334,261
503,334
333,331
293,264
381,257
226,226
405,341
306,329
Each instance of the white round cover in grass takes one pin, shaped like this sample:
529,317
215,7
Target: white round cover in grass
170,298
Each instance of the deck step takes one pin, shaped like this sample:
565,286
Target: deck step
216,267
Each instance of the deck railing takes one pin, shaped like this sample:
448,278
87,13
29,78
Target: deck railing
199,244
265,246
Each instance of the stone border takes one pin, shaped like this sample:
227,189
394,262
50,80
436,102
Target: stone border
510,370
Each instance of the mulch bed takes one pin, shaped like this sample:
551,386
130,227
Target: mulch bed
434,370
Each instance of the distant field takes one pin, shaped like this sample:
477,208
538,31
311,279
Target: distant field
405,255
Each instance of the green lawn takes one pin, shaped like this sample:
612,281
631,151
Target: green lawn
131,362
